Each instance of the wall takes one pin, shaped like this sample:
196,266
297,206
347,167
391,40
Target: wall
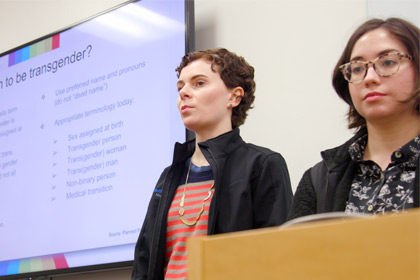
293,45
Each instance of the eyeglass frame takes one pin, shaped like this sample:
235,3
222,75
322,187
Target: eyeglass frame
373,61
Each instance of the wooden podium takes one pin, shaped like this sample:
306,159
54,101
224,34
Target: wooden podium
382,247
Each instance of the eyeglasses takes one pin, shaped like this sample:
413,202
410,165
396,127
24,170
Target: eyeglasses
385,65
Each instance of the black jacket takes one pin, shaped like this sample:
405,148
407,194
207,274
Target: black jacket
326,186
252,190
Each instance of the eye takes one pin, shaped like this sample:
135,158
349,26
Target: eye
200,83
357,68
388,63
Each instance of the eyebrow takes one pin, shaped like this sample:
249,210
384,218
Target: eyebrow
358,58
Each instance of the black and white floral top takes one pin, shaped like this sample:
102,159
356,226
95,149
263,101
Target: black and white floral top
375,191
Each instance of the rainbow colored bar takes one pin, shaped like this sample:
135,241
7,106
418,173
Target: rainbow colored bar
33,264
36,49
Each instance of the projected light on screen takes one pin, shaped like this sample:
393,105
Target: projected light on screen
88,121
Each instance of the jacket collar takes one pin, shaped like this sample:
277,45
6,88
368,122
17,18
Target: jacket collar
220,146
337,156
224,144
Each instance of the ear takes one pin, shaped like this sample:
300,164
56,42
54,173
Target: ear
236,95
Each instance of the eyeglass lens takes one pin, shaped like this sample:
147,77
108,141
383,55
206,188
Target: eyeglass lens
385,66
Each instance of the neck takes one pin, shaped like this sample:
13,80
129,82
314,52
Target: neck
384,139
198,158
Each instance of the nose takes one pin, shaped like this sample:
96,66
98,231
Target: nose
371,75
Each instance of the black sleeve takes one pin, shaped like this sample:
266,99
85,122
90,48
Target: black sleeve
304,201
143,246
272,195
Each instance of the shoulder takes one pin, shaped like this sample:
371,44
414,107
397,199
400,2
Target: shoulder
304,200
259,150
340,155
164,174
262,155
165,171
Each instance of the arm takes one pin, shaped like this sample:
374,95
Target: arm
141,256
304,201
144,242
272,192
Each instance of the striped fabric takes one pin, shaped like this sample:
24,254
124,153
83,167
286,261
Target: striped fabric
177,232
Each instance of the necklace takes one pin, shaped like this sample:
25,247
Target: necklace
181,204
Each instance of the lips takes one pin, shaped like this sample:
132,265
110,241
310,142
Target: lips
185,108
373,96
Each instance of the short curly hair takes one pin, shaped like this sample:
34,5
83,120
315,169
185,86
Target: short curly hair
404,31
234,71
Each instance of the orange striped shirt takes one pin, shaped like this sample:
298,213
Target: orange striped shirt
177,232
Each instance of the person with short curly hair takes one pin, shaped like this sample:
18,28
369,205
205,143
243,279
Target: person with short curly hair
217,183
234,71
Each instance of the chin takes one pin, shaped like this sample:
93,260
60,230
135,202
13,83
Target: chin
189,125
377,112
379,117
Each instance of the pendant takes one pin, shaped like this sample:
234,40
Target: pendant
181,210
208,195
188,223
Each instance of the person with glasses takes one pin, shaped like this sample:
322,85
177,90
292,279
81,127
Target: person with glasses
377,170
217,183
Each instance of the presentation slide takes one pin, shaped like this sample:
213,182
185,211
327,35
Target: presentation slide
88,121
